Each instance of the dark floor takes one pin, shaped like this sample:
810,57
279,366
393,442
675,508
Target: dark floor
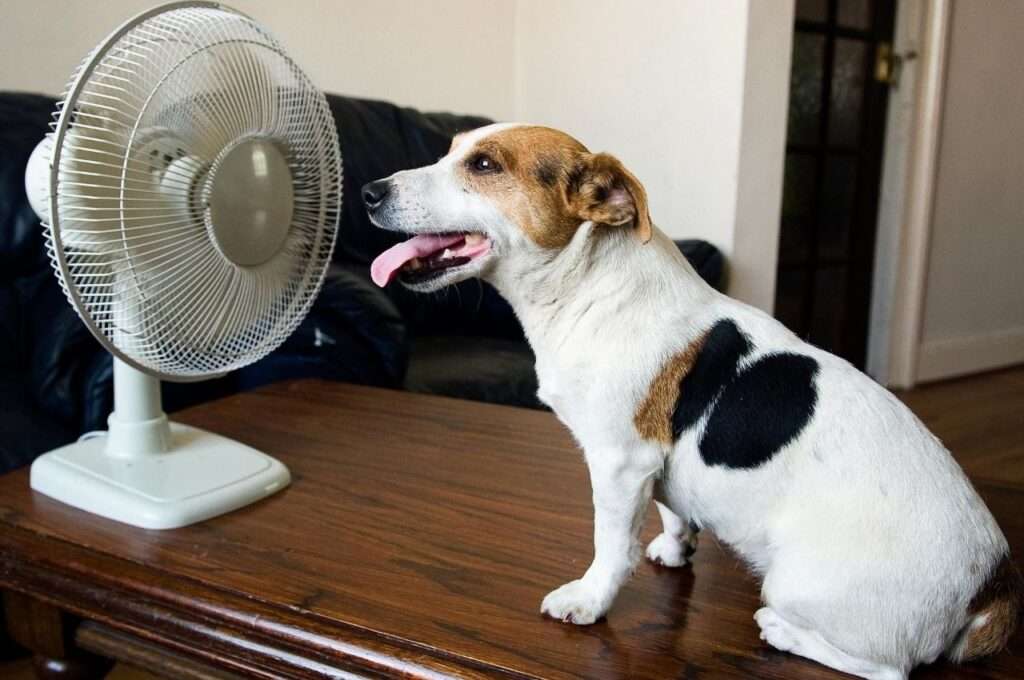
980,419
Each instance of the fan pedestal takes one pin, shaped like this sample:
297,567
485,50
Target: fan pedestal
153,474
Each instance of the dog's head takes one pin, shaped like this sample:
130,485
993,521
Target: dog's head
502,191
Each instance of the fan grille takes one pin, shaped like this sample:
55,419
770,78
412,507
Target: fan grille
140,132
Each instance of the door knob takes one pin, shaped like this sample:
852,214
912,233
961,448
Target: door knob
889,64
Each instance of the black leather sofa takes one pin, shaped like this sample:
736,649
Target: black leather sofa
55,378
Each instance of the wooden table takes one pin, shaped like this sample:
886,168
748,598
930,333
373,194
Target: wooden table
417,540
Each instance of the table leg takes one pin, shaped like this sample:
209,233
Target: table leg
49,634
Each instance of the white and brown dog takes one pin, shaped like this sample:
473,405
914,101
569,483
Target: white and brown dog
876,552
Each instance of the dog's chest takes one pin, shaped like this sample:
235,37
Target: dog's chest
556,390
589,403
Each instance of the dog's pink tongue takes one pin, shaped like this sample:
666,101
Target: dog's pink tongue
391,260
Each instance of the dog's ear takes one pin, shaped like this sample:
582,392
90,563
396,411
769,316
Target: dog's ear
603,191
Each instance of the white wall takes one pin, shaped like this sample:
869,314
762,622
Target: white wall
673,91
436,54
755,248
662,89
691,94
974,303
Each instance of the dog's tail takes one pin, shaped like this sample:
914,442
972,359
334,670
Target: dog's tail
993,615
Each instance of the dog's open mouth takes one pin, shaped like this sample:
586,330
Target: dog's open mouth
427,256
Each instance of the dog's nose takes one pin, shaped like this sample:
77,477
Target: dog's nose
374,193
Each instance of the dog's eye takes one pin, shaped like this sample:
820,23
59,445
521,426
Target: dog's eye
482,163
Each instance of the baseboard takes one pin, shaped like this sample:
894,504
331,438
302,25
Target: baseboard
960,356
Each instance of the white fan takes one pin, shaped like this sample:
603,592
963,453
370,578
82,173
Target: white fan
190,192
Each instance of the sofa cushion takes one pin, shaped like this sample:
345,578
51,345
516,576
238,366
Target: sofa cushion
495,370
25,430
24,120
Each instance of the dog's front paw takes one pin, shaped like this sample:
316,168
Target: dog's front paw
669,551
575,602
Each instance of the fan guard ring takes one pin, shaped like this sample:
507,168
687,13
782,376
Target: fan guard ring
147,120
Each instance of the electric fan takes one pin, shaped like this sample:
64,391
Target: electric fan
190,193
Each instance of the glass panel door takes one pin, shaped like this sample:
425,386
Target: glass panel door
834,142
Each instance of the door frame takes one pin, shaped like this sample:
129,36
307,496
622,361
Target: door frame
910,158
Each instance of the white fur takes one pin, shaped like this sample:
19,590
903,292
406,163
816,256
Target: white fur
870,539
673,545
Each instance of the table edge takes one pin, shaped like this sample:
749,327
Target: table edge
234,630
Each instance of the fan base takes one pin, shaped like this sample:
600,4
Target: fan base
202,475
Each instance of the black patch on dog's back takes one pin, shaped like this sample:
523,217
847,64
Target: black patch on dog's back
754,412
722,348
762,410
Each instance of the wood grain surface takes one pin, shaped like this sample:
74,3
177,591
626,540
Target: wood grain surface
980,419
417,539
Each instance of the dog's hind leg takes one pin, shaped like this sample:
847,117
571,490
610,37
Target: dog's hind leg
676,542
787,637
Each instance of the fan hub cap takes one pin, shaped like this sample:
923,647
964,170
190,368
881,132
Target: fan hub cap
250,202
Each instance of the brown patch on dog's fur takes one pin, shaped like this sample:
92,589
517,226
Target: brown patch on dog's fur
549,184
1000,600
653,418
535,162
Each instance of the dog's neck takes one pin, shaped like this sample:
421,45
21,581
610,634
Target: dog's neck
598,274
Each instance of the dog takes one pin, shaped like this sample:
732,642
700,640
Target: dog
876,552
